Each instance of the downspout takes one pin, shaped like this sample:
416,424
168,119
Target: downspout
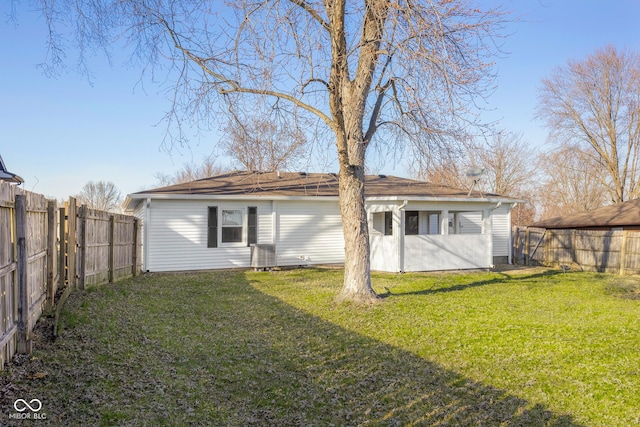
490,219
510,260
145,240
400,239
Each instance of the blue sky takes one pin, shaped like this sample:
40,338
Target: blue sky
59,133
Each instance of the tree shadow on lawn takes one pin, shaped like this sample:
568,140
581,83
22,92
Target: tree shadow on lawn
302,370
217,351
438,288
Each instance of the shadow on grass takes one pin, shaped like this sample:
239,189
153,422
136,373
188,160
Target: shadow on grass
439,288
210,349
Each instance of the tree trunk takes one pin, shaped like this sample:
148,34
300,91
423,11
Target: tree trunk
357,268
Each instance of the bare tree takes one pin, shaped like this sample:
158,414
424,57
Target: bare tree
506,159
573,183
101,195
594,105
190,172
264,143
508,169
363,69
449,173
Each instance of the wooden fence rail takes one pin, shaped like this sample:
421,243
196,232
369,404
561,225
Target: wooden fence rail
43,249
592,250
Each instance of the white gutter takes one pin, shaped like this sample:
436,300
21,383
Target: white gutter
227,197
160,196
443,199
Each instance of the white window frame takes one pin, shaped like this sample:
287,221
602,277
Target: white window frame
243,221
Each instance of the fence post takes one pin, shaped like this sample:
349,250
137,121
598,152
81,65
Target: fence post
24,336
51,253
623,252
72,227
112,245
82,248
63,248
548,254
527,242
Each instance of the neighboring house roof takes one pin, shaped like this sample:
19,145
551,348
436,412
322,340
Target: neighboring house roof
7,176
288,184
623,214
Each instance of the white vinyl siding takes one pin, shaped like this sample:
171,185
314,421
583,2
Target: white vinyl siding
309,232
501,220
177,235
450,236
469,222
446,252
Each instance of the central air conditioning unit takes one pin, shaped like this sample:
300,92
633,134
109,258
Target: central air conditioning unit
263,256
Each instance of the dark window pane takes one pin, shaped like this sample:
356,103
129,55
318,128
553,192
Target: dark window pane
388,223
411,222
231,234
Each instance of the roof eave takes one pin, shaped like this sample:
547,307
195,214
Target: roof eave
226,196
497,199
141,196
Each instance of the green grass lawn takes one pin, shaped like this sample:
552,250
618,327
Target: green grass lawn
248,348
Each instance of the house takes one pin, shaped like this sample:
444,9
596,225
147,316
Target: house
234,219
619,216
7,176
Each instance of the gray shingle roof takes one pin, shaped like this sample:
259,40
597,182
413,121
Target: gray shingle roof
305,184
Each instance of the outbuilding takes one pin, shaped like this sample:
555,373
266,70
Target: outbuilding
619,216
269,219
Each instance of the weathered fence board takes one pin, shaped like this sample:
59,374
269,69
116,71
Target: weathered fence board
593,250
8,285
631,256
24,273
43,248
108,244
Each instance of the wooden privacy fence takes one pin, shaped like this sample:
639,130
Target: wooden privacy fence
100,247
27,268
43,248
593,250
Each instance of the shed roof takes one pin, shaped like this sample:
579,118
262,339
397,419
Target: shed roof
242,183
618,215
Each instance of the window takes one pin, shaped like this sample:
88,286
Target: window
434,223
212,227
468,222
383,222
411,222
227,226
231,226
388,223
